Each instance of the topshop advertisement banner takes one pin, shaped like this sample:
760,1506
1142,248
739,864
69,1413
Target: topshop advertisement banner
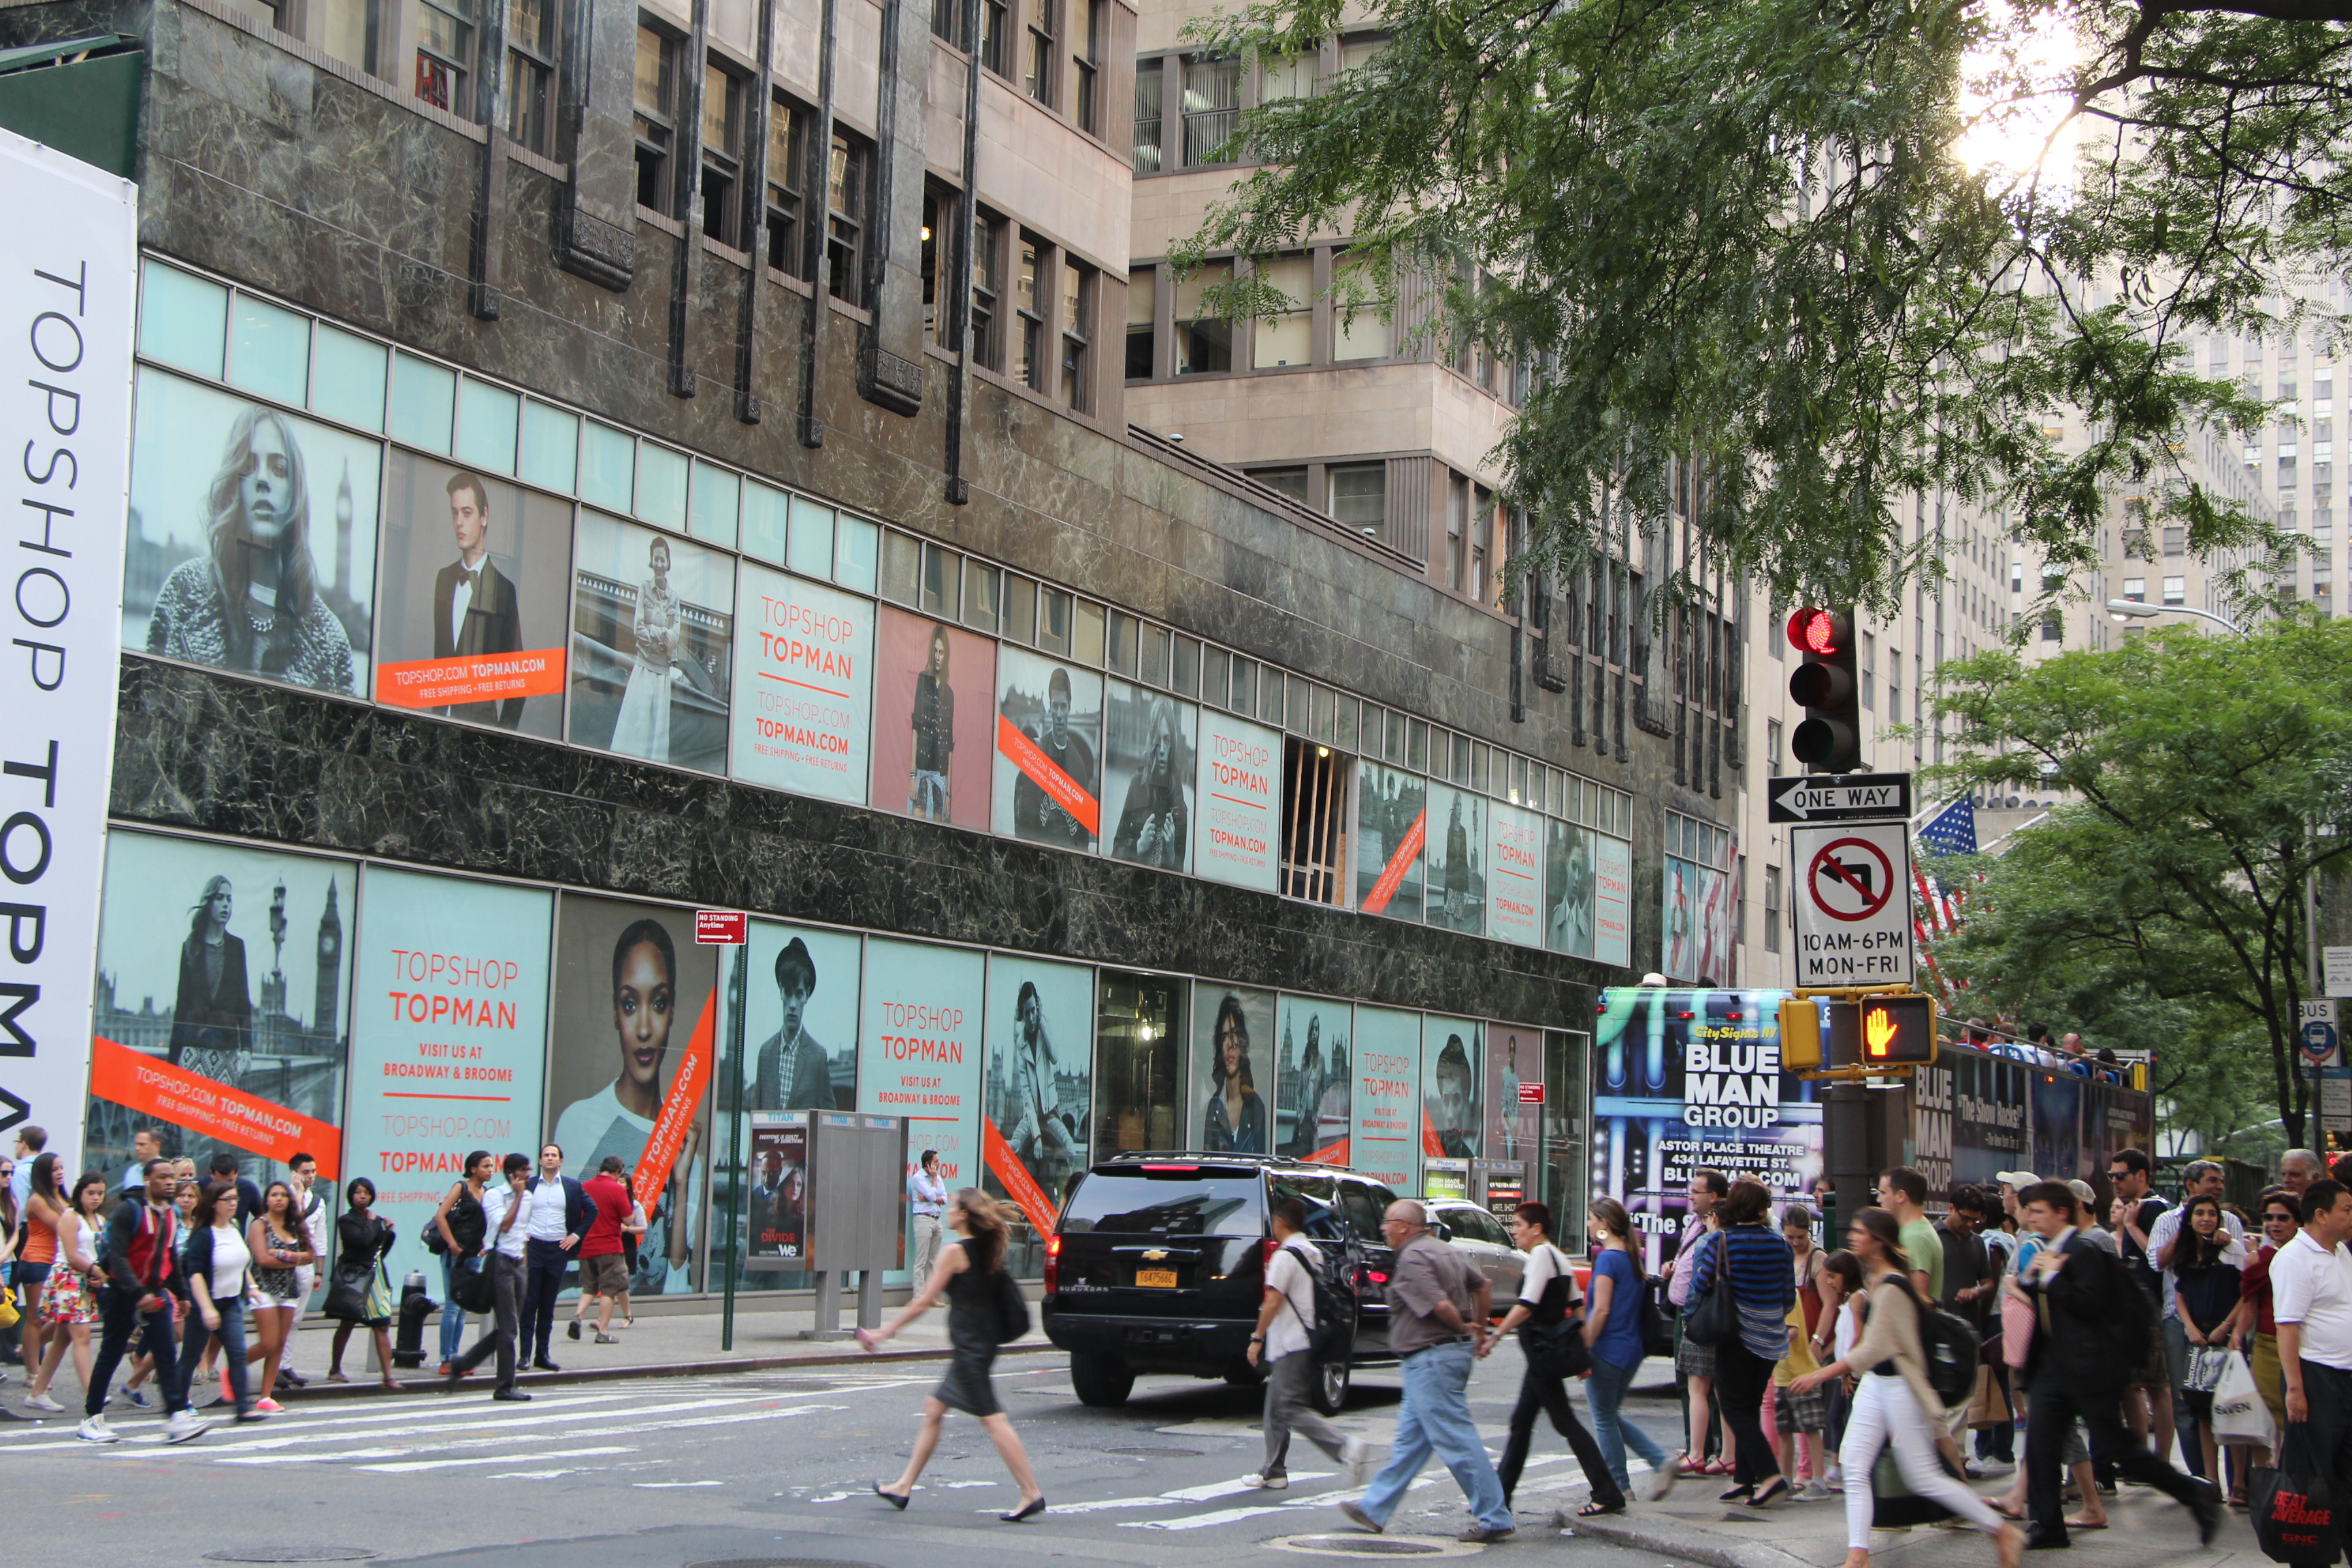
919,1048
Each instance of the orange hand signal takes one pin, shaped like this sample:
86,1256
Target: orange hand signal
1878,1030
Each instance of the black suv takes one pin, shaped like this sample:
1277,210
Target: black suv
1159,1263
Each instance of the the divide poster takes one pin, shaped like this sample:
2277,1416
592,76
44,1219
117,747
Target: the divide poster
919,1048
449,1041
776,1206
1391,822
1670,1093
1514,872
1514,1129
1239,791
1038,1099
1385,1140
222,1009
1233,1083
635,1028
1452,1118
1314,1093
803,685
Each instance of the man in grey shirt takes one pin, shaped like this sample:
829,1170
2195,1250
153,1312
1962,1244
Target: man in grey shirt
1437,1326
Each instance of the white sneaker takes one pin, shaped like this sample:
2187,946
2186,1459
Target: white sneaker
1355,1459
43,1402
1816,1490
1980,1469
94,1429
1267,1483
185,1424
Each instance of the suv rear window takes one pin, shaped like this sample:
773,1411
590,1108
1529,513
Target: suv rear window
1167,1206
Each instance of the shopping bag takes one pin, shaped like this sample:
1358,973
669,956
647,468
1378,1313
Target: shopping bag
2293,1509
2016,1332
1988,1406
2238,1413
2206,1364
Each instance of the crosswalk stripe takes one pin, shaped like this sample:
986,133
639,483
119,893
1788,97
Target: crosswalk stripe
307,1433
509,1440
408,1465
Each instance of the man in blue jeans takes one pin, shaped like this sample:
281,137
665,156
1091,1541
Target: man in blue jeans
1437,1326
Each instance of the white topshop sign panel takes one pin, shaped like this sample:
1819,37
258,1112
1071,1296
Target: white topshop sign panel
1853,904
69,262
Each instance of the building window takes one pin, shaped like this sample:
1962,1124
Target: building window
1142,324
1287,76
1482,537
722,154
2135,590
1287,339
1457,506
1212,100
2176,591
1085,67
2176,541
444,50
1204,344
995,22
531,72
1038,74
1077,318
844,235
1360,334
1894,687
987,290
1147,118
947,23
1869,672
1029,309
1314,820
1771,908
1772,728
1140,1042
1291,481
787,178
1359,496
939,205
655,118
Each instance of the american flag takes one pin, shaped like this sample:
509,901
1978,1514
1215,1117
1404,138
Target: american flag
1954,831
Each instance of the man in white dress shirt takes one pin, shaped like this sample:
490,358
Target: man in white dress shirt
2311,1297
506,1211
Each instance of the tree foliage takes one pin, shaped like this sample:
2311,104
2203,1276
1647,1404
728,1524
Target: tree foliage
1744,235
2211,785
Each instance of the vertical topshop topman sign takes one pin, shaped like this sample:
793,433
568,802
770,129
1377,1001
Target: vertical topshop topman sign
69,263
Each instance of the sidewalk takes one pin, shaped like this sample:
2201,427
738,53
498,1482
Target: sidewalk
2144,1527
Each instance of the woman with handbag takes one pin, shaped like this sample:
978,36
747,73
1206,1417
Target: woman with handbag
281,1247
69,1296
2206,1276
1741,1291
1613,1333
458,1226
361,1293
1551,1336
2257,1330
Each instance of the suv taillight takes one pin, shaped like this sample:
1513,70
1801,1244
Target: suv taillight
1053,1263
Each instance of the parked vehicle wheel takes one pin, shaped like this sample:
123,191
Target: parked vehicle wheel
1331,1382
1101,1381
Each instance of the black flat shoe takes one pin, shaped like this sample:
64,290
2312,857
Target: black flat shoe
545,1366
893,1499
511,1395
1035,1506
1737,1494
1778,1487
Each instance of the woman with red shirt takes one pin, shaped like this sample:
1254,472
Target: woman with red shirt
2281,1220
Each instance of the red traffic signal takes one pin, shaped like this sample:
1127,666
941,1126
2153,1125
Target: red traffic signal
1825,633
1828,739
1883,1031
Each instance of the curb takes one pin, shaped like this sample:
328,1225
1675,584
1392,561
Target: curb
1676,1538
319,1389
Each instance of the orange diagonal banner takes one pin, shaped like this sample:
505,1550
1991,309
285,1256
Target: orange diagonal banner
668,1138
1329,1154
1046,773
1393,877
1019,1184
1431,1144
153,1087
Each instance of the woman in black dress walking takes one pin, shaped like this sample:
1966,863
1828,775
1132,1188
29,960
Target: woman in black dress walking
966,1275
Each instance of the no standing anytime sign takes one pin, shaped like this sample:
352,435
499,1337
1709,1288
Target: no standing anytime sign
1853,903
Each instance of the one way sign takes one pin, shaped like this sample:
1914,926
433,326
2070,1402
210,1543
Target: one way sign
1847,797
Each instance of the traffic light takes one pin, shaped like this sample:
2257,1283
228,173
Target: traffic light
1883,1032
1829,741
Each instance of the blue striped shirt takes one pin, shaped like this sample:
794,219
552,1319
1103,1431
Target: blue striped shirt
1763,1277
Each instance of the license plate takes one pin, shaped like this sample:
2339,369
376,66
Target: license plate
1155,1278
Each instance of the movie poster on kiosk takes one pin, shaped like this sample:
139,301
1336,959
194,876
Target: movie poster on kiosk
1048,786
1038,1098
1670,1093
1452,1118
475,597
653,636
934,720
252,538
1384,1138
222,1015
449,1041
1233,1082
635,1025
1148,777
919,1048
1314,1093
1391,823
776,1206
1514,872
804,686
1514,1129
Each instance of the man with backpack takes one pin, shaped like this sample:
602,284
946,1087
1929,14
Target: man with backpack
1284,1343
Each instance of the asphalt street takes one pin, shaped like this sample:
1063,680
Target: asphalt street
765,1467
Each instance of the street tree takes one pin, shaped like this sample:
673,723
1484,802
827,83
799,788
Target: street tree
1748,242
2209,786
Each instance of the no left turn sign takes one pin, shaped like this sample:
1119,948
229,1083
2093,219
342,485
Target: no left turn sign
1850,878
1853,908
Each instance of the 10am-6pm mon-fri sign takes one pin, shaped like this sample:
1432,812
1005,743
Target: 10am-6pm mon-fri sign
1853,904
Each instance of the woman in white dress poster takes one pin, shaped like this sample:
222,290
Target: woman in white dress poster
643,728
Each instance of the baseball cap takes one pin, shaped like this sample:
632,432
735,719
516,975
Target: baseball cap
2020,1180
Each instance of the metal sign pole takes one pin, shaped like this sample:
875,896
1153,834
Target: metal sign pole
737,990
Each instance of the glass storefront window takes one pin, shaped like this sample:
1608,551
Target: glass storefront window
272,355
347,379
486,426
424,403
183,319
551,447
1139,1063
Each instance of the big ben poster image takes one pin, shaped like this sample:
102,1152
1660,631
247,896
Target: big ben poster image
223,1015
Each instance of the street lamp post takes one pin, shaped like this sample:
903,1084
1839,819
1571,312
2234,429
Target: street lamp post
2134,610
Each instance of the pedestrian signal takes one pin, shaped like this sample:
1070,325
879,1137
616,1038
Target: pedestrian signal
1883,1032
1828,739
1801,1034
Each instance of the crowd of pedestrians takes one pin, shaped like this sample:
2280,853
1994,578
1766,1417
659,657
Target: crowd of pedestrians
193,1287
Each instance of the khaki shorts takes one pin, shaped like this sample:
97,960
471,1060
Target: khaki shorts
605,1274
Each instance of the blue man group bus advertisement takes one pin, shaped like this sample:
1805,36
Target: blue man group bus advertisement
1684,1078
